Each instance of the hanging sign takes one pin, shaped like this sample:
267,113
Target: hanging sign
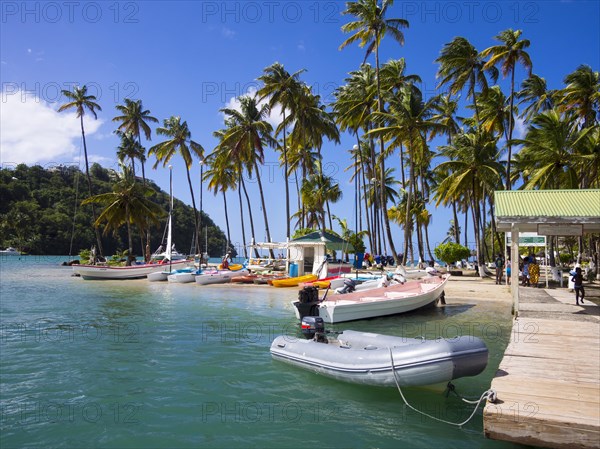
561,229
528,239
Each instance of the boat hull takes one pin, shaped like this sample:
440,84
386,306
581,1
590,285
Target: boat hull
364,358
98,272
376,302
293,282
220,277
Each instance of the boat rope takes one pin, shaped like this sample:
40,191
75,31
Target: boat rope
488,394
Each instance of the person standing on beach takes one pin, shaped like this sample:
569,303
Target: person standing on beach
578,281
499,262
534,272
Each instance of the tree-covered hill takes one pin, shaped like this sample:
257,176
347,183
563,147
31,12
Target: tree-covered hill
41,211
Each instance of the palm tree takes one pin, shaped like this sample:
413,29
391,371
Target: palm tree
179,141
461,65
282,89
582,94
246,136
222,176
510,52
534,91
354,103
129,149
473,171
445,110
134,120
552,152
369,29
316,191
129,203
408,122
80,101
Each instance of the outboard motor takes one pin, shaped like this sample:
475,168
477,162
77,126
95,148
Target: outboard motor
308,302
313,327
349,287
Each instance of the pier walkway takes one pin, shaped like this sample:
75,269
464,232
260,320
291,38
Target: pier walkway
548,383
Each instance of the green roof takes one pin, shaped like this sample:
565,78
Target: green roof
548,203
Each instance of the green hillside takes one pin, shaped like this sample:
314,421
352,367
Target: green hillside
37,207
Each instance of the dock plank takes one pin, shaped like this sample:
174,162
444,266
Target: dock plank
548,382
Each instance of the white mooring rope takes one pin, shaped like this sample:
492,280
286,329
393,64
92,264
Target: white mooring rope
488,394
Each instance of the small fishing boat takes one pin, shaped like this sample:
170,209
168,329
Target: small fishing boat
294,281
219,276
374,302
381,360
10,251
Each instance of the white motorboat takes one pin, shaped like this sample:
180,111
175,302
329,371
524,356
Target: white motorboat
10,251
219,276
375,302
99,272
382,360
184,276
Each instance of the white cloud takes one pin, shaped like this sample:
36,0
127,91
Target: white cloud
32,131
301,46
227,33
275,118
520,128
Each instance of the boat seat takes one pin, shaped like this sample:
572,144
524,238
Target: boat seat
398,295
428,287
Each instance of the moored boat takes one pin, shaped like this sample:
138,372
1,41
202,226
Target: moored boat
381,360
294,281
219,277
10,251
376,302
100,272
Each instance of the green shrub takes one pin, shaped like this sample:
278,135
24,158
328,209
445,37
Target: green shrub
451,252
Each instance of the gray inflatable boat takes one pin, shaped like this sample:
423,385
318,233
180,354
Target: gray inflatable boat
366,358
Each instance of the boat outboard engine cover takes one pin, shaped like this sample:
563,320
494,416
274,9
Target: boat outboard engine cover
312,325
349,287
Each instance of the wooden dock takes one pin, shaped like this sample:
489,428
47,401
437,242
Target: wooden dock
548,383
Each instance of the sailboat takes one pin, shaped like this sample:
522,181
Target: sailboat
97,272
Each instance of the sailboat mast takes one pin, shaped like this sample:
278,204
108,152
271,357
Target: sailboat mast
169,242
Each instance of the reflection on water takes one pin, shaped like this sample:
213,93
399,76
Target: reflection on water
138,364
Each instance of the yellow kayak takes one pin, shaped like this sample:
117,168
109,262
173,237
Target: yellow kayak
232,267
294,282
321,284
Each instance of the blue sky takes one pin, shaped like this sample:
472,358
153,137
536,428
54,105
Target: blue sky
193,58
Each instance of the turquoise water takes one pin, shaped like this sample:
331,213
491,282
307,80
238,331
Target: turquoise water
126,364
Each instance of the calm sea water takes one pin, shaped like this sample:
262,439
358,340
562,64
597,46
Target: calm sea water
130,364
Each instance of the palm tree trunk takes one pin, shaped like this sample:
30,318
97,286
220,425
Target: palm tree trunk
466,223
226,222
264,207
89,180
242,221
129,237
364,195
510,128
456,229
427,240
287,187
411,182
196,235
243,184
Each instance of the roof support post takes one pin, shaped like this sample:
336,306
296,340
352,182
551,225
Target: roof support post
514,275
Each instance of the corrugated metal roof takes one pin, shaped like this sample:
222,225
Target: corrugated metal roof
548,203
